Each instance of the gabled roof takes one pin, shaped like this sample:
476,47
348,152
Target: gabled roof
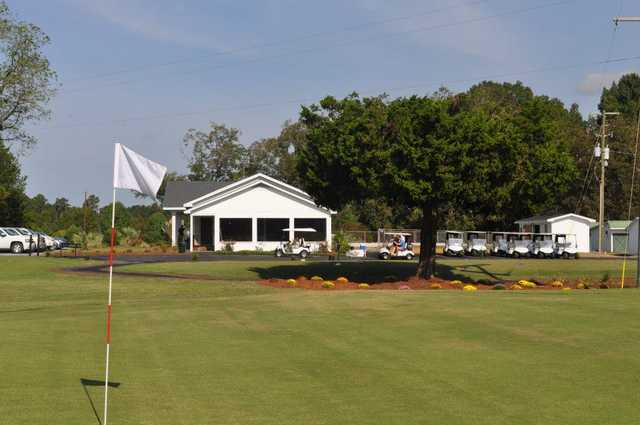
550,218
179,193
192,195
619,224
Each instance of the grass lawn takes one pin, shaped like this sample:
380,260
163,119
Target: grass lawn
233,352
376,271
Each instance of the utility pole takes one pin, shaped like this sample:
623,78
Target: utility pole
602,152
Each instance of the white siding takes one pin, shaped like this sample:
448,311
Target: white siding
574,226
260,202
633,237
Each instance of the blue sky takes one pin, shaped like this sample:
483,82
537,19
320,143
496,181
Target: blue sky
142,72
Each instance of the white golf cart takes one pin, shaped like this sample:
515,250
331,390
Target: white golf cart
498,243
542,246
566,246
396,246
519,245
296,248
476,243
454,243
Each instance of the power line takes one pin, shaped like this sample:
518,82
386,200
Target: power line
280,42
346,43
313,99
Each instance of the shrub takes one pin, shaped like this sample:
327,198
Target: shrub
301,278
404,287
363,286
557,284
316,278
435,286
516,287
582,286
603,285
328,285
499,287
469,288
194,256
342,280
605,277
527,284
456,283
292,282
566,290
228,247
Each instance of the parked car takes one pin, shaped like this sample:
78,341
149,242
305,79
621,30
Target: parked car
14,241
36,237
62,243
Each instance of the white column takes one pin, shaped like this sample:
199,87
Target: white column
174,229
291,226
329,232
254,232
191,230
216,233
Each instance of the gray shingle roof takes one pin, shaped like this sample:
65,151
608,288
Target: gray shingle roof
179,193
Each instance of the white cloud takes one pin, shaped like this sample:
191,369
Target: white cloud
594,82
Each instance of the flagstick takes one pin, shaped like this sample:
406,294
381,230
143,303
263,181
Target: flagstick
111,255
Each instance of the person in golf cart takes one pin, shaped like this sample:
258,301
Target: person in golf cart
296,247
399,246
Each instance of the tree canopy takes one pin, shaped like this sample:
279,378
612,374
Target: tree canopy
26,78
433,153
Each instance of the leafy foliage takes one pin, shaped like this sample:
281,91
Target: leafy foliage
433,153
26,78
12,184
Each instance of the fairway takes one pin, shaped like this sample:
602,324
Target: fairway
232,352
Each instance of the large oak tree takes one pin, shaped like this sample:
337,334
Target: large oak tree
432,153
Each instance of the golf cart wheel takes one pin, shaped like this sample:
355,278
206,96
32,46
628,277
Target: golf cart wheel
278,253
17,248
303,254
541,255
384,256
565,255
409,257
516,254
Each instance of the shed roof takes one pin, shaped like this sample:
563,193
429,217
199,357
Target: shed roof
179,193
549,218
619,224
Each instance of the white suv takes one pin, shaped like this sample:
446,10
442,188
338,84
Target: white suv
12,240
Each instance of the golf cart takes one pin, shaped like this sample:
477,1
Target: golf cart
396,246
542,246
519,245
454,244
566,246
498,244
296,248
477,243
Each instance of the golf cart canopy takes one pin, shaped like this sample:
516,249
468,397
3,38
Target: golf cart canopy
398,234
301,229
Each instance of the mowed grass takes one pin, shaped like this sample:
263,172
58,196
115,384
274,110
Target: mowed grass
233,352
472,269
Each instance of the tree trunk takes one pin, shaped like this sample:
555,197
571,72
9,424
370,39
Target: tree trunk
427,264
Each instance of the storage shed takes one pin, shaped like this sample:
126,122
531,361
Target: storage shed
567,224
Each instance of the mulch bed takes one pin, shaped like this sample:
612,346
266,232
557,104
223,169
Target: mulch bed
430,284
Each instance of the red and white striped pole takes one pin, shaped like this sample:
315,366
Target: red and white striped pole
111,256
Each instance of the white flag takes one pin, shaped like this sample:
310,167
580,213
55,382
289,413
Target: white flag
135,172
